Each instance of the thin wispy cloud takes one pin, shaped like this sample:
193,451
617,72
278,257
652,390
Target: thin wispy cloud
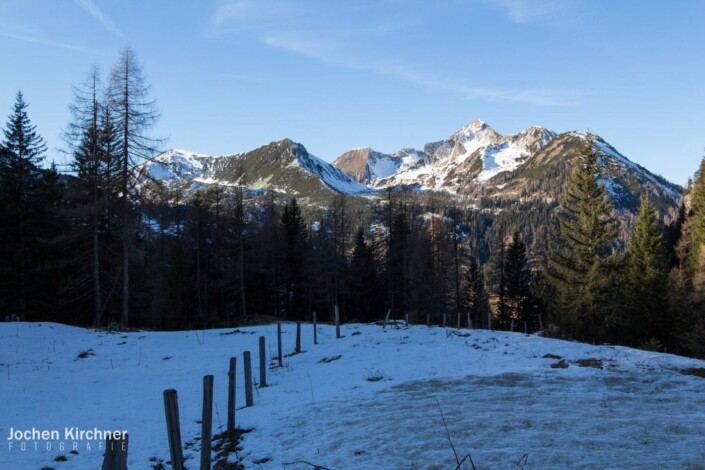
348,46
528,11
44,42
325,51
91,8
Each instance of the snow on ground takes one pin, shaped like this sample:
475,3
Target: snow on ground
503,402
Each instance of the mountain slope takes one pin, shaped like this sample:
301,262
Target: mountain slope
475,153
474,162
284,166
531,165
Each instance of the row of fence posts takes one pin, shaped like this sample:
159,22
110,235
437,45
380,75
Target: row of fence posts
171,406
116,449
469,322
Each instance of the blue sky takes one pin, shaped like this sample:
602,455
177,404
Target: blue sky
229,76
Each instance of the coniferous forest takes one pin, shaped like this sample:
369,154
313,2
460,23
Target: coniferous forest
101,244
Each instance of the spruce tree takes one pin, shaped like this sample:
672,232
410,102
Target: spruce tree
364,283
686,285
475,296
21,188
580,266
646,279
516,281
295,257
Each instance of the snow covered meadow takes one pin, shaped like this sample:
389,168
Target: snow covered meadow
376,406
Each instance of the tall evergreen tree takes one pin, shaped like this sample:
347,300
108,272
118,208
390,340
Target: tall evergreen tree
579,266
295,257
21,178
475,296
646,279
517,279
364,281
687,279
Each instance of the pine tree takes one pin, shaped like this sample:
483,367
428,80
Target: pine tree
364,282
686,285
579,266
646,279
475,297
295,256
517,279
21,178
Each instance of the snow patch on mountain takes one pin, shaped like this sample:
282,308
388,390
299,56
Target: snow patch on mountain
449,164
329,175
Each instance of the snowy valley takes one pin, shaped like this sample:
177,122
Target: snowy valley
371,399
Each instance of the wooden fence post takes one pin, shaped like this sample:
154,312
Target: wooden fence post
207,422
526,330
298,337
231,395
171,408
279,342
406,317
458,320
337,322
511,326
315,331
115,453
248,379
489,320
386,318
469,322
445,319
262,363
428,319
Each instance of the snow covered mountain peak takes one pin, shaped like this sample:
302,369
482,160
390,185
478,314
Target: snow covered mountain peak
283,166
475,161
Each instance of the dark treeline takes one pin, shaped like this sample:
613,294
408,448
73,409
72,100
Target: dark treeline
102,244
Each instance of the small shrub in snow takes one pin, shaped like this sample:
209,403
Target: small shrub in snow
375,375
85,354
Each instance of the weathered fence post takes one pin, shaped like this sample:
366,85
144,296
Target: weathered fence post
279,342
458,320
115,453
445,319
526,330
407,319
298,337
469,322
262,363
231,395
248,378
171,408
489,320
428,319
337,322
386,318
511,326
315,331
207,422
